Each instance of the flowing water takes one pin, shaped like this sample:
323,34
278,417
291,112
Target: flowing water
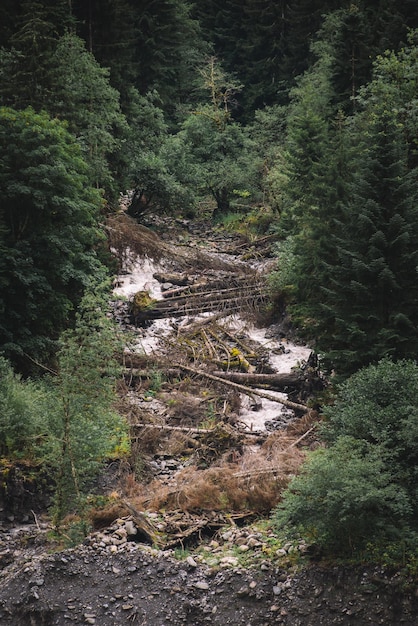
283,355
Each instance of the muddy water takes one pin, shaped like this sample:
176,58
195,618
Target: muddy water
283,355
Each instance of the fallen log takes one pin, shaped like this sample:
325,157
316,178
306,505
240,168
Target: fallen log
143,523
187,430
247,390
253,244
280,382
202,296
196,308
175,279
184,429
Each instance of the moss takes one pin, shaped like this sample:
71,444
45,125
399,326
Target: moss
142,302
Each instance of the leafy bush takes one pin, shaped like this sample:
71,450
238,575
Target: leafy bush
22,415
379,404
343,498
361,490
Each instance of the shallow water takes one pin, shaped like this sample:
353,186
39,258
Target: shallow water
256,411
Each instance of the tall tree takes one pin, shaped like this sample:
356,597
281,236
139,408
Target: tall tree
81,94
39,24
317,157
369,299
151,44
219,149
48,231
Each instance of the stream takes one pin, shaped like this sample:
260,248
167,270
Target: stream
283,354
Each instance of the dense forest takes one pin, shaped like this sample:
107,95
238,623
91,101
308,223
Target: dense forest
303,115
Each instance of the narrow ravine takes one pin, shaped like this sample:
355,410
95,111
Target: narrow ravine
185,537
215,391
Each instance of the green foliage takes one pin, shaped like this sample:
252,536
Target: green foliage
282,280
361,490
83,429
48,231
344,498
369,296
393,89
24,64
80,93
158,169
22,414
219,151
379,404
65,422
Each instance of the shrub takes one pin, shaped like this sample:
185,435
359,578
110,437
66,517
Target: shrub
379,404
21,413
343,498
361,490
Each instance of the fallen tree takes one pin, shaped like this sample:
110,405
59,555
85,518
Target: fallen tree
247,390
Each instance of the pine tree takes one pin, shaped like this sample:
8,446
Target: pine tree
81,95
369,300
150,44
39,24
49,214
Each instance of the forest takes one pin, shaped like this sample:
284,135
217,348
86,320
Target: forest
301,116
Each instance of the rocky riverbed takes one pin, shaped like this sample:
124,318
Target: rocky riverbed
112,580
182,540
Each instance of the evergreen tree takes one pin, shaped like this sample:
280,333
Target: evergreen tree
152,45
39,24
81,95
49,214
83,429
317,165
394,88
369,299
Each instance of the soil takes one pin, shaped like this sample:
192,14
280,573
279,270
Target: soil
140,585
211,565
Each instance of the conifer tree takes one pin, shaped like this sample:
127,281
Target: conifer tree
48,233
369,298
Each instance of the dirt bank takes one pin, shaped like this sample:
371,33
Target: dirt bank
92,584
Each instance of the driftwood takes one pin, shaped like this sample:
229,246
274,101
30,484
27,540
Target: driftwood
225,294
190,431
184,429
175,279
280,382
181,536
274,470
143,524
247,390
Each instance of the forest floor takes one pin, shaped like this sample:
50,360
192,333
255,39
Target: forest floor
218,393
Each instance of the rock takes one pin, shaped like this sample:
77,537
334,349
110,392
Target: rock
201,584
229,560
130,528
281,552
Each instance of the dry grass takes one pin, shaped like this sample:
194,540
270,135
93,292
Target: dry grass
254,481
214,489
